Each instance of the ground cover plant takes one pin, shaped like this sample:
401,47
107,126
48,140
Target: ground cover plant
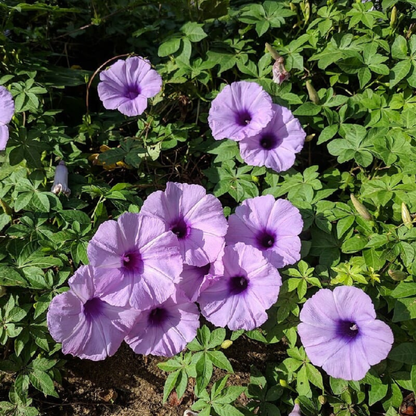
184,176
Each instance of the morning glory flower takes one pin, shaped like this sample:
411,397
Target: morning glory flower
126,85
196,219
341,334
87,326
60,182
165,329
240,110
194,279
6,114
295,411
137,261
272,226
276,145
239,295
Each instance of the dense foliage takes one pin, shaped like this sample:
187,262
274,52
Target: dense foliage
352,71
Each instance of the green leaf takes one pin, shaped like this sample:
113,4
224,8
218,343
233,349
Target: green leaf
307,109
9,277
170,384
399,71
193,31
40,202
413,377
204,370
399,48
404,309
404,290
327,133
42,381
220,360
314,376
404,353
169,46
377,392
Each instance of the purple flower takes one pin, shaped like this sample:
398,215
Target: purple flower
126,85
6,114
275,146
195,279
60,182
137,261
279,71
87,326
295,411
340,332
240,110
271,226
196,219
165,329
240,295
192,278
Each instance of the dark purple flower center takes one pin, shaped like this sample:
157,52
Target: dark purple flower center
93,308
237,285
347,329
158,316
132,91
180,228
265,240
243,118
132,261
269,141
204,269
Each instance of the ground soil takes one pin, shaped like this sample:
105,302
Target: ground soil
128,384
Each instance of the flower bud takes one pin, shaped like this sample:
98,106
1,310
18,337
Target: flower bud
279,71
406,218
283,383
397,275
361,209
60,183
226,344
393,16
322,399
313,95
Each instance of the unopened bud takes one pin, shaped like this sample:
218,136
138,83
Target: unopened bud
397,275
272,51
307,12
313,95
361,209
309,137
226,344
60,183
322,399
283,383
393,16
406,218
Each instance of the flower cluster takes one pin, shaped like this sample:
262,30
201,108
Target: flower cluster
148,270
267,133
